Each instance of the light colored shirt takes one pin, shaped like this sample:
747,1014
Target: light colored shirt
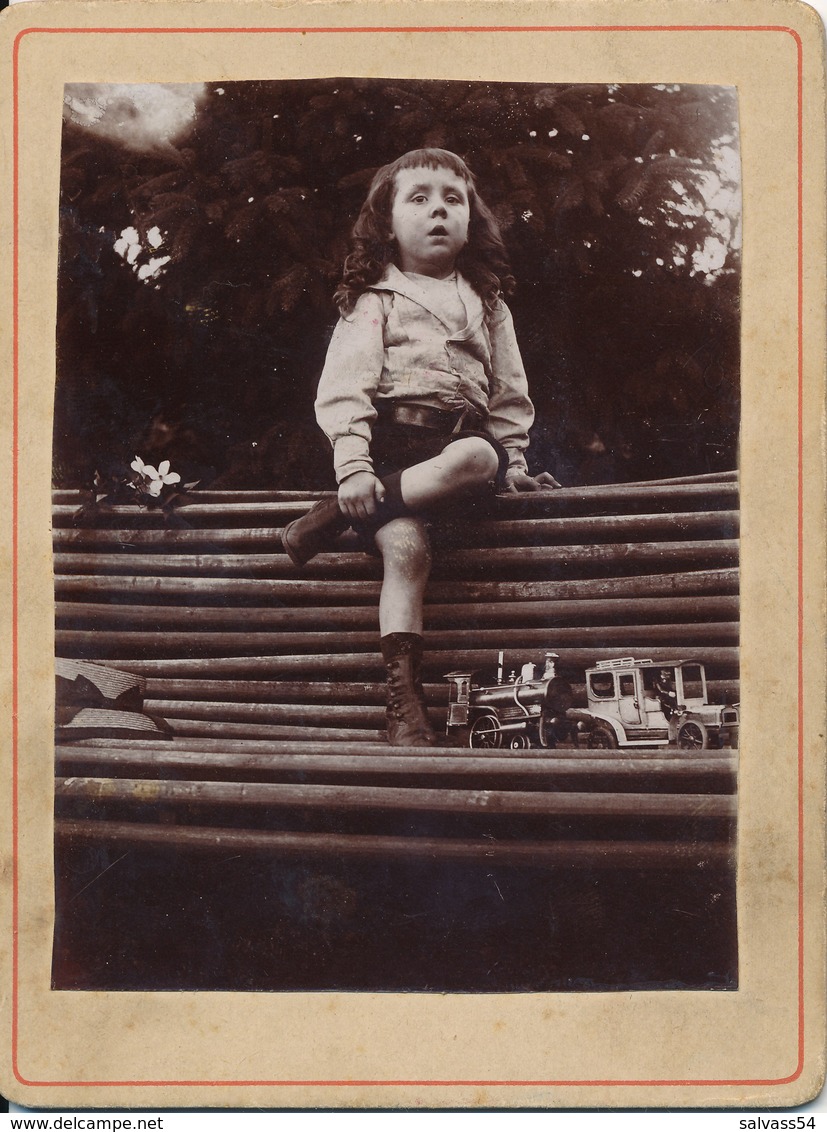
442,297
394,346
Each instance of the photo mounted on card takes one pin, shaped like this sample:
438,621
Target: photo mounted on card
415,612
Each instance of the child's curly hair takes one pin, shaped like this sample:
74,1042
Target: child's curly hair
483,261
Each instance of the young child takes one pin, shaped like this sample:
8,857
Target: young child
423,395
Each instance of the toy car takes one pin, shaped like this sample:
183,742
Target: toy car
631,703
635,703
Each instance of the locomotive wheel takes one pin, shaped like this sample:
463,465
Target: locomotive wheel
601,737
520,741
693,736
486,733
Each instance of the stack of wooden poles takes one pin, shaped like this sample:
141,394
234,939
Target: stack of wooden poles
272,682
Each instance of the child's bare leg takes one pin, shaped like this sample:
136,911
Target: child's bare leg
406,552
464,465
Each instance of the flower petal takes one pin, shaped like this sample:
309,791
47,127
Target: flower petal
150,472
137,464
155,487
171,477
163,467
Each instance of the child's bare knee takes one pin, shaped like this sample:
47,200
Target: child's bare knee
405,546
476,458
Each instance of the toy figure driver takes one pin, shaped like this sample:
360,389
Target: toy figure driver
664,689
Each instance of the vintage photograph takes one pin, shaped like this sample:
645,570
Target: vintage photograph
396,515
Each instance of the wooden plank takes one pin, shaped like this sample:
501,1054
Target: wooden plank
315,747
365,665
233,729
320,591
596,611
319,796
320,714
119,642
704,477
311,692
674,496
77,496
457,562
308,692
643,495
538,532
539,854
247,495
719,772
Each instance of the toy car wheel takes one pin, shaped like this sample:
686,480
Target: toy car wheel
486,732
601,737
520,741
693,736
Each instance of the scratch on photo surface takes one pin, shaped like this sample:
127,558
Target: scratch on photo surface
100,874
491,875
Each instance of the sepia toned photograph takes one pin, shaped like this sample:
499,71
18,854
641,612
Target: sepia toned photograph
396,516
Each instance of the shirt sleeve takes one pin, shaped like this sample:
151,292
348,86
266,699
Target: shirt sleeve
348,385
510,411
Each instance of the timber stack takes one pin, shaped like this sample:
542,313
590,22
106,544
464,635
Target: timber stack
270,678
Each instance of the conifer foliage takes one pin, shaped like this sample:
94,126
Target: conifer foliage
200,337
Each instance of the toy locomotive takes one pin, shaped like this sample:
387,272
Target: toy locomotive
631,703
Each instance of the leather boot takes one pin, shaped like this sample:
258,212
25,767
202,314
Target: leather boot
408,724
316,531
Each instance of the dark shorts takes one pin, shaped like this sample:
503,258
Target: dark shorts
395,447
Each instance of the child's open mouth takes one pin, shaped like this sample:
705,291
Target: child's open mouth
438,231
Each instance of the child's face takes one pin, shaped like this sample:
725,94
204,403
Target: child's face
429,220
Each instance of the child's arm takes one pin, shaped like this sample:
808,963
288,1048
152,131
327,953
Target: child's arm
360,494
348,385
510,411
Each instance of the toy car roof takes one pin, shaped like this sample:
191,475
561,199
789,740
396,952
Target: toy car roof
634,662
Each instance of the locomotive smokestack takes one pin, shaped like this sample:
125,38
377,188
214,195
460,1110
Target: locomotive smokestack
500,658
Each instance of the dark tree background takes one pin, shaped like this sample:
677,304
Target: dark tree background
629,329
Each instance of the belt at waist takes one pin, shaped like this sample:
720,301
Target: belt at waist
426,416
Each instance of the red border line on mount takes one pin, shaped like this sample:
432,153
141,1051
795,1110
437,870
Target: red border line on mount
15,546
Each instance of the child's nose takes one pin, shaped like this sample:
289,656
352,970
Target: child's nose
439,209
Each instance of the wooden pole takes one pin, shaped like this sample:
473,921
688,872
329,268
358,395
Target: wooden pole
537,532
323,592
454,563
119,642
352,748
321,796
540,854
245,495
717,772
596,611
311,692
366,665
671,496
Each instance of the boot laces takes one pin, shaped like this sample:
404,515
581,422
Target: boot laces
405,704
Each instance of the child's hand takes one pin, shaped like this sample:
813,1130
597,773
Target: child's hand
519,481
359,496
